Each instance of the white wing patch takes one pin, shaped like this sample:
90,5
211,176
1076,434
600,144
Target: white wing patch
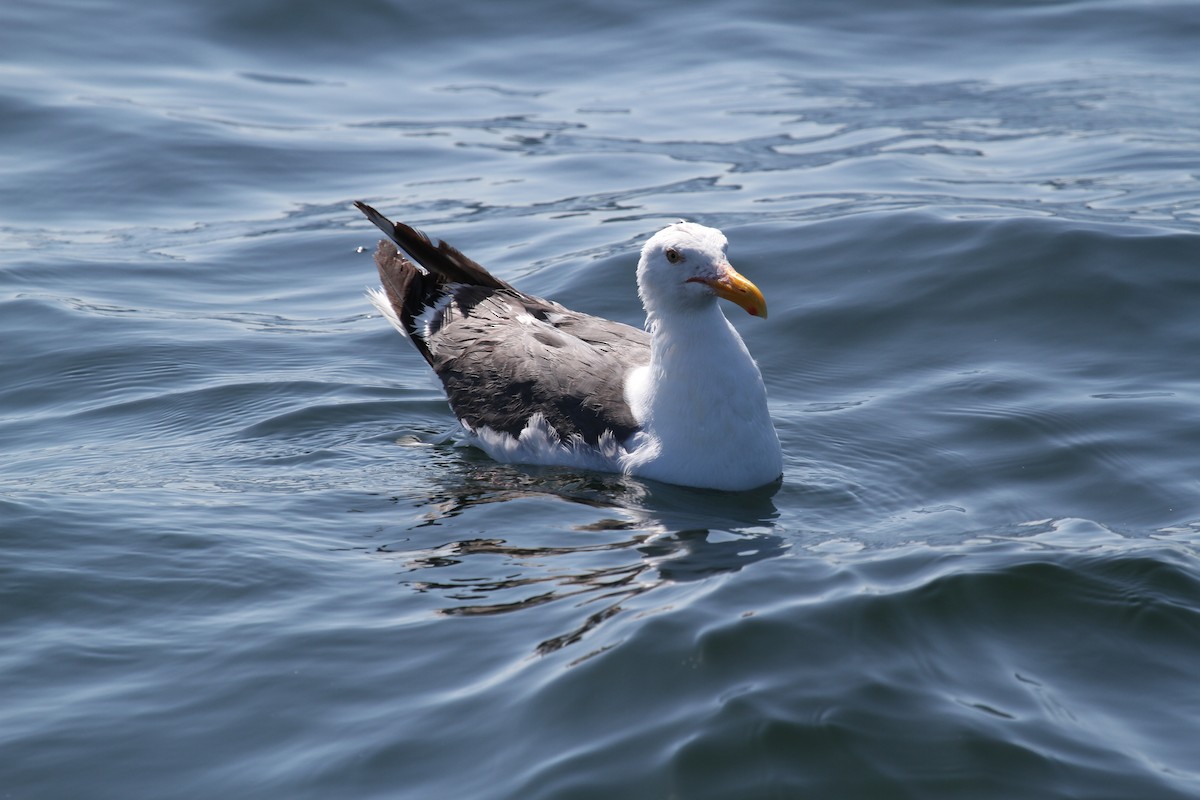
429,320
433,318
539,443
379,299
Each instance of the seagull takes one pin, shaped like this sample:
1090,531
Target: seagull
533,382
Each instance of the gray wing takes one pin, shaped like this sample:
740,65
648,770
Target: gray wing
503,356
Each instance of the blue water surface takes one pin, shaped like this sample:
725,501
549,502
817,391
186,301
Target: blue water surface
240,559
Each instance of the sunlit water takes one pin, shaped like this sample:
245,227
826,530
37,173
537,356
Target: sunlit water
238,561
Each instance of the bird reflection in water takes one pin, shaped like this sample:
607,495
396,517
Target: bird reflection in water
492,575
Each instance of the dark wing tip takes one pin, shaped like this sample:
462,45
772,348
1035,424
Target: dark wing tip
378,220
441,258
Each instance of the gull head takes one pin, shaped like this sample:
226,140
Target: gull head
683,268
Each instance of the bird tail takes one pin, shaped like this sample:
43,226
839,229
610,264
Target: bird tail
441,259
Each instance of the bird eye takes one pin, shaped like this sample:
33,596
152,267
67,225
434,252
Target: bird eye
673,255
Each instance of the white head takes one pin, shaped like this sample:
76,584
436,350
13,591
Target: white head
683,268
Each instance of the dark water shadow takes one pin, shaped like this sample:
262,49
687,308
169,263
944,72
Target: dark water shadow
603,541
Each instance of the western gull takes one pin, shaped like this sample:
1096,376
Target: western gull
533,382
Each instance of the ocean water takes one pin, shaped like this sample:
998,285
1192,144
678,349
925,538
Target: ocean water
237,560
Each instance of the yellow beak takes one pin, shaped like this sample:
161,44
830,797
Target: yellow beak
735,288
